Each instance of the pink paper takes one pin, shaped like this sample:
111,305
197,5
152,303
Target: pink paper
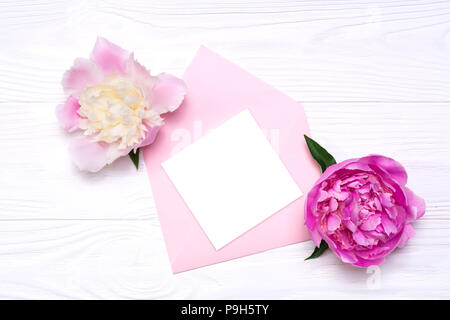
218,90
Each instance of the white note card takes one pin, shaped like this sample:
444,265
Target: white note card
232,179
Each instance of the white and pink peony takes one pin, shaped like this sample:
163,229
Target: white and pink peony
115,103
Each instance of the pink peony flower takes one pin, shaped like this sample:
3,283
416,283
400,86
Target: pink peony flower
115,104
362,209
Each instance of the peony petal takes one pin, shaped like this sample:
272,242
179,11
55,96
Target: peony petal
150,138
360,238
376,252
88,155
333,168
346,256
388,225
333,204
315,236
110,57
139,75
84,72
310,219
408,232
67,114
168,93
348,223
371,223
363,263
394,168
416,205
333,222
386,200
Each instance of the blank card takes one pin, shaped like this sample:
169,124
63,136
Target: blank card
231,179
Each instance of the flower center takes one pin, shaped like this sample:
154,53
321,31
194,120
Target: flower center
116,111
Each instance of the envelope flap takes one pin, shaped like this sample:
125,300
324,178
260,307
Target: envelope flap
217,90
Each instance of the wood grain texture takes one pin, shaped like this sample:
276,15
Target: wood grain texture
373,77
312,50
127,260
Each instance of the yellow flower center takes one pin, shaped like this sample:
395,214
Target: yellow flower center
116,111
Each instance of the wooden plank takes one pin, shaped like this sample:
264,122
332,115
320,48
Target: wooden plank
127,260
312,50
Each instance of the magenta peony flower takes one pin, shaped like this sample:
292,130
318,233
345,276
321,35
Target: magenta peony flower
115,104
362,209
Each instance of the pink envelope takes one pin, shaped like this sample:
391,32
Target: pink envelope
218,90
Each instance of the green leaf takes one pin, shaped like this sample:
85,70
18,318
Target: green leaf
322,157
134,156
318,250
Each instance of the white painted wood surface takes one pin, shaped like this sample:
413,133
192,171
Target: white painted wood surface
374,77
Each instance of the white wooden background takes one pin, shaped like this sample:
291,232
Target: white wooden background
374,77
